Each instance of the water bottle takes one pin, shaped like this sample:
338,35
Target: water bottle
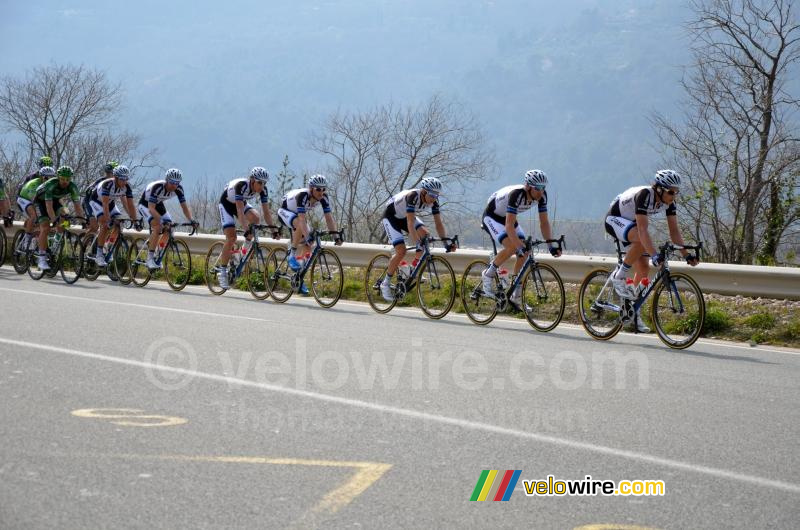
57,238
246,247
236,256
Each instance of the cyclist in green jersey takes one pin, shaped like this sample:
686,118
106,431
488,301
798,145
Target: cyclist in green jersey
48,196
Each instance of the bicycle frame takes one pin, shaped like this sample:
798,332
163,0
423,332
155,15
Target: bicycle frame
423,260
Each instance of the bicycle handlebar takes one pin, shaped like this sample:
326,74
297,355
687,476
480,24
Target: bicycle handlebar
560,244
669,247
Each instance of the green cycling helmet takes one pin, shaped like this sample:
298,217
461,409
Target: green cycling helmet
45,161
65,171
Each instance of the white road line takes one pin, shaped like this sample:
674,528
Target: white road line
564,326
143,306
435,418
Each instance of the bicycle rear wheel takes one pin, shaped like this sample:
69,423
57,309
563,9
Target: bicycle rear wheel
376,271
177,264
279,275
70,260
256,272
599,305
19,254
679,310
212,268
137,262
327,278
479,308
33,265
436,287
543,298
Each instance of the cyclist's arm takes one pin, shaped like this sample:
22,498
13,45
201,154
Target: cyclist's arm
544,223
330,222
106,200
267,213
411,219
131,210
78,208
511,230
51,212
302,225
186,211
675,233
642,223
437,221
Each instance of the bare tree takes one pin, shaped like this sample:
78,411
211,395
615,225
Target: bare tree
68,112
738,140
376,153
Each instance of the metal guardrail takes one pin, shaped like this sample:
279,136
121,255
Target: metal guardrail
745,280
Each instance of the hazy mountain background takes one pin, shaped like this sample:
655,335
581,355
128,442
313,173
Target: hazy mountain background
218,87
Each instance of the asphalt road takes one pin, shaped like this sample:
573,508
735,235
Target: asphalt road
128,407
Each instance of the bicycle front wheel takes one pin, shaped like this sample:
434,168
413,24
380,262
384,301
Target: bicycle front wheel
678,311
71,262
33,265
119,262
543,298
177,264
212,268
256,272
19,254
436,287
376,272
327,278
599,305
137,262
480,309
90,269
279,275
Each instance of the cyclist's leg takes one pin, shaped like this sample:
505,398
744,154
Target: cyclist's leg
422,231
155,228
396,238
87,211
498,233
228,222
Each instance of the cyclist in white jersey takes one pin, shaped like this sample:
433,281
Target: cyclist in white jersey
500,220
627,222
104,208
295,206
153,211
233,205
108,172
400,218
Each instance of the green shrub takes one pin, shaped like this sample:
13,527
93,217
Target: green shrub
792,330
761,321
717,320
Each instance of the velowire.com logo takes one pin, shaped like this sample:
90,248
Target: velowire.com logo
494,485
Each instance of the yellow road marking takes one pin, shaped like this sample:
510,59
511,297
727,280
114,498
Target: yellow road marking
367,473
130,417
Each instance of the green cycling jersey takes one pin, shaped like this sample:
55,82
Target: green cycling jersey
28,191
52,191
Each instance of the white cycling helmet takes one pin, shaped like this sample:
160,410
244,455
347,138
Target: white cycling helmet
667,178
431,184
535,177
47,171
259,173
318,181
173,176
122,172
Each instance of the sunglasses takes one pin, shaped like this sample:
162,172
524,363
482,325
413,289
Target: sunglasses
672,192
320,189
538,187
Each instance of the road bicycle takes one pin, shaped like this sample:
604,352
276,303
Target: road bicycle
323,267
64,249
8,221
432,276
115,253
677,310
173,254
542,297
249,262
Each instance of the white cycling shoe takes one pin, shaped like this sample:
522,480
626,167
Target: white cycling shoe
151,264
100,260
386,292
488,285
222,278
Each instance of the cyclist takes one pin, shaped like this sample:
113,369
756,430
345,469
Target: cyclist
48,205
627,222
25,201
233,205
400,218
5,205
500,220
108,172
104,208
152,209
292,213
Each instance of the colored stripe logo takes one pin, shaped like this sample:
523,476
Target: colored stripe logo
494,485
